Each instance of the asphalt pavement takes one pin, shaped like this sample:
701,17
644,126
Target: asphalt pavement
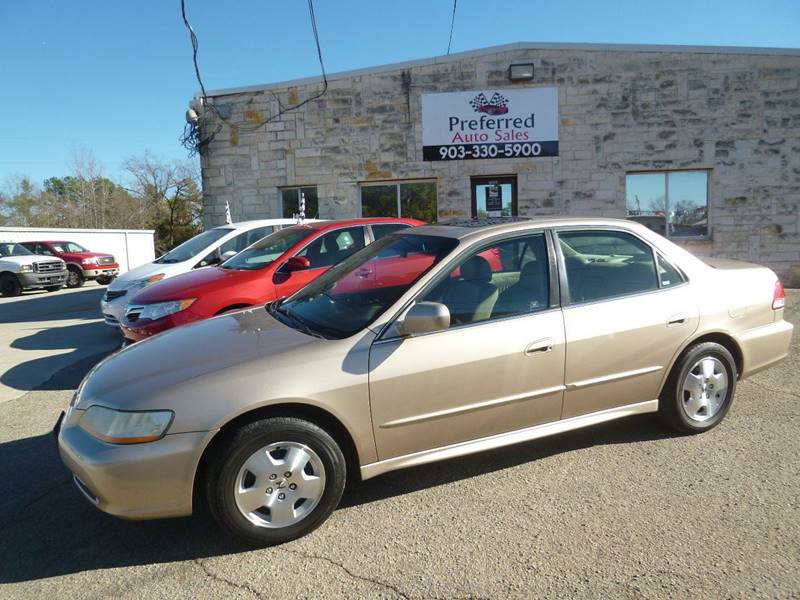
625,509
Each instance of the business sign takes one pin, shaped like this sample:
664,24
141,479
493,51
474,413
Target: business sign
490,124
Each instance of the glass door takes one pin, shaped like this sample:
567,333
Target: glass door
494,197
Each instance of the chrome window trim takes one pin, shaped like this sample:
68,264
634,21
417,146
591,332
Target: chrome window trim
567,302
446,264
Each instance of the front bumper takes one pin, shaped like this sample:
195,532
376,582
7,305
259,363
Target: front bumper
114,310
137,481
41,280
101,272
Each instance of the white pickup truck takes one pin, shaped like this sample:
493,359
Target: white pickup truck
21,269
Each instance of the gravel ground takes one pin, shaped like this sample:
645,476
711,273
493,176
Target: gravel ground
624,509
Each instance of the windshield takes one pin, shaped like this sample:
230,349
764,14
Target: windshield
356,291
264,252
191,248
12,249
67,247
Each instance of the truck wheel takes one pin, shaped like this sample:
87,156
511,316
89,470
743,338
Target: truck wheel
9,285
53,288
75,278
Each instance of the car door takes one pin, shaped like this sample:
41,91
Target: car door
624,319
499,367
322,253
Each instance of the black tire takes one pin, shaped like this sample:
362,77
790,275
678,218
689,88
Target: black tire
104,280
230,456
54,288
9,285
75,278
673,398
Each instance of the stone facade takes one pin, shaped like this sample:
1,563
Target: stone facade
735,112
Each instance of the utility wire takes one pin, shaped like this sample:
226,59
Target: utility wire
191,138
452,22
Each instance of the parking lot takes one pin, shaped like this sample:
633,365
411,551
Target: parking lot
624,509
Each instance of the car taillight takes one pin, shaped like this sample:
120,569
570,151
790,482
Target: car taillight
779,296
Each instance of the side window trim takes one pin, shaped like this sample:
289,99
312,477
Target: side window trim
564,283
445,268
659,256
305,246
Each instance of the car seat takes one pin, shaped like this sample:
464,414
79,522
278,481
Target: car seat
471,297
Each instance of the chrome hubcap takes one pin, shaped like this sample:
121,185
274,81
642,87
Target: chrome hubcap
705,389
279,484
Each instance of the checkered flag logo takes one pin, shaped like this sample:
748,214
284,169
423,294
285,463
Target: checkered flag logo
498,105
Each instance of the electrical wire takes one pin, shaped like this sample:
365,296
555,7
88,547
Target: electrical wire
452,22
192,138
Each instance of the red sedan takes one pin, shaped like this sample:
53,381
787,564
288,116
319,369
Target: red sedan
274,267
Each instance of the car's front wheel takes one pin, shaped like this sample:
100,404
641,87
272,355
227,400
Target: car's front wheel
700,389
9,285
275,480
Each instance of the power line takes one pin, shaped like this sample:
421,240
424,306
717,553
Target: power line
452,22
192,139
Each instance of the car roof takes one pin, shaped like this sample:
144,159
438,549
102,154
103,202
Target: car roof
476,228
256,223
359,221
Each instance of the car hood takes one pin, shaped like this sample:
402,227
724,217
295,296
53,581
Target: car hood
192,284
146,270
28,259
81,255
133,377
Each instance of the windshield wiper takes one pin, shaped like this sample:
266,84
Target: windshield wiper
299,322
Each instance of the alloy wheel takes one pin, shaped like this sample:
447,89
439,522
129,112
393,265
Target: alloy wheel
279,484
705,389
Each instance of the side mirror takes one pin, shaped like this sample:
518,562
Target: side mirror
424,317
296,263
228,254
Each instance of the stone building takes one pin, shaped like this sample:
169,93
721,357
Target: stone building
699,143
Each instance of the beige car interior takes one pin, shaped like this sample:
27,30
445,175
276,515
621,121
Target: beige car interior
478,294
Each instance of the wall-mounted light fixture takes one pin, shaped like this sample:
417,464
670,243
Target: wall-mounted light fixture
520,72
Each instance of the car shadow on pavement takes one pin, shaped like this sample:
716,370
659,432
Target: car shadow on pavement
53,306
48,529
65,371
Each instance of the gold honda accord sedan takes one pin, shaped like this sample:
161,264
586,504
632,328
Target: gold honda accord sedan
428,343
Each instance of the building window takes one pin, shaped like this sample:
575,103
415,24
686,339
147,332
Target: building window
409,199
673,203
290,201
494,197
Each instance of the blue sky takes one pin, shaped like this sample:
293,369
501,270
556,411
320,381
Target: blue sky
115,77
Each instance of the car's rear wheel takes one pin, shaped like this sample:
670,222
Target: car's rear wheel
700,388
9,285
275,480
75,277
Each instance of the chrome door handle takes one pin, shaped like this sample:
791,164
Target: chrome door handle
543,345
678,319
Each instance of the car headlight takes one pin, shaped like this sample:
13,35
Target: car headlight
125,427
26,268
162,309
88,261
154,278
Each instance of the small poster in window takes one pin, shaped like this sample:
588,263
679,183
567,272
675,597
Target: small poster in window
494,200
